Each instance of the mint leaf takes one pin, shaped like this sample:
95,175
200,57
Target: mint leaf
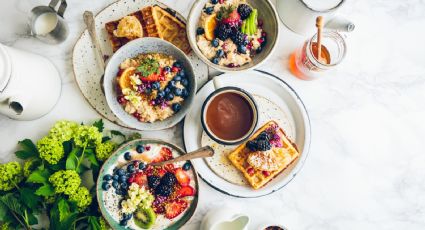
45,190
39,176
99,125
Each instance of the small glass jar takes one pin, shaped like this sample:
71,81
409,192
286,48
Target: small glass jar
303,62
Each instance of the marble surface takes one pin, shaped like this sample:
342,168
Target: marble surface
366,168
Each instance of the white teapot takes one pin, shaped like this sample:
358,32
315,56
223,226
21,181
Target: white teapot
30,84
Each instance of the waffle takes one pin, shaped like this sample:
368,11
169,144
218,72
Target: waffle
156,22
284,155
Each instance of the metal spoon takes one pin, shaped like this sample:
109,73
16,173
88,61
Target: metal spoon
89,21
206,151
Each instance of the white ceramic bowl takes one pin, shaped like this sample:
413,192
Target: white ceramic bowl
266,12
132,49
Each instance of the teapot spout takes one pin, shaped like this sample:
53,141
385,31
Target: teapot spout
12,107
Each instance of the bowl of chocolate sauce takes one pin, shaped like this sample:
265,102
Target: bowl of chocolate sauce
229,115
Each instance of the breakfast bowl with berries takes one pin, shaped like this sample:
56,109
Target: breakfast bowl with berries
134,194
149,84
233,35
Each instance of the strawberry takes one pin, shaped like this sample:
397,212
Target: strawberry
185,191
158,204
233,18
140,179
161,172
166,153
151,78
175,208
169,167
182,177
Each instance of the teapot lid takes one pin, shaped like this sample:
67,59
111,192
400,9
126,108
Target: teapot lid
5,67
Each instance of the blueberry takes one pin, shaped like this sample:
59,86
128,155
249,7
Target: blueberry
184,82
167,69
124,185
185,93
214,42
148,91
156,85
140,148
161,94
242,49
177,78
220,53
127,156
172,84
200,31
181,73
215,60
107,177
115,177
142,165
186,166
170,96
123,222
178,92
120,172
127,216
177,64
122,179
264,41
115,184
209,10
167,90
259,49
130,168
214,1
106,186
176,107
118,192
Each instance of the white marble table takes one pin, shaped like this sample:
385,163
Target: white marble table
366,168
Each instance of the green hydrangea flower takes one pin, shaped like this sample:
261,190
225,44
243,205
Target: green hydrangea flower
103,224
50,149
82,197
104,150
10,175
63,130
87,135
65,181
30,165
5,226
50,199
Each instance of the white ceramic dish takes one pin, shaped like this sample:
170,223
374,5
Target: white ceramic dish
266,12
264,85
86,71
144,46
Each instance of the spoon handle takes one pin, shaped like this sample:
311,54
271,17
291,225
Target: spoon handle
206,151
89,21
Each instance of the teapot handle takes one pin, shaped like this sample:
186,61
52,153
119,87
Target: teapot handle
12,106
340,24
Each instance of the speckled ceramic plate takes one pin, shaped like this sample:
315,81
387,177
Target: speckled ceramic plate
107,203
86,70
277,101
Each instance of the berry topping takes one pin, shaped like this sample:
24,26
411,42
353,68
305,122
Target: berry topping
220,53
182,177
230,16
127,156
209,10
250,171
174,208
140,149
223,31
200,31
153,181
214,2
242,49
107,177
163,190
185,82
187,166
215,42
244,11
178,92
185,191
263,145
266,173
169,179
140,179
176,107
216,60
106,186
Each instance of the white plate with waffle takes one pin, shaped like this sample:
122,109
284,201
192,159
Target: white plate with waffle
86,71
277,102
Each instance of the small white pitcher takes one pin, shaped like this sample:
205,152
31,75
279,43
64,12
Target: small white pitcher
225,218
30,85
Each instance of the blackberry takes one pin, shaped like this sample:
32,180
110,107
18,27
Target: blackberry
263,145
244,11
163,190
223,31
168,179
153,181
252,145
263,136
239,38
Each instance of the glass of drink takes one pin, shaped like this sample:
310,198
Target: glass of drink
306,65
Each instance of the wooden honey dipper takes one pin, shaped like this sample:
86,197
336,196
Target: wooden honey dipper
319,25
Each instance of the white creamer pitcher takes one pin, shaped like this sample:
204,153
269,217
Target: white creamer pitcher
300,15
30,84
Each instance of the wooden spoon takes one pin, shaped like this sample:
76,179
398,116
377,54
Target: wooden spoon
319,25
206,151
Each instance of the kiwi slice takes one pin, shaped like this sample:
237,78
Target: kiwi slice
144,218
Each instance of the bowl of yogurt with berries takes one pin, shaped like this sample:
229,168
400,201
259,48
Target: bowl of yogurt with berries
132,194
233,35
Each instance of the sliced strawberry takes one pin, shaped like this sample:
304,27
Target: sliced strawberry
232,19
166,153
185,191
161,172
140,179
152,77
169,167
175,208
182,177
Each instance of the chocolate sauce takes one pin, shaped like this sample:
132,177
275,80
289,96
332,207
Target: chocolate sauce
229,116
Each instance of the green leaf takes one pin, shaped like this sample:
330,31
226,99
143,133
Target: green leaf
32,220
93,222
12,203
62,215
39,176
4,210
134,136
64,209
91,157
29,198
99,125
105,139
22,154
28,146
72,160
117,133
45,190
